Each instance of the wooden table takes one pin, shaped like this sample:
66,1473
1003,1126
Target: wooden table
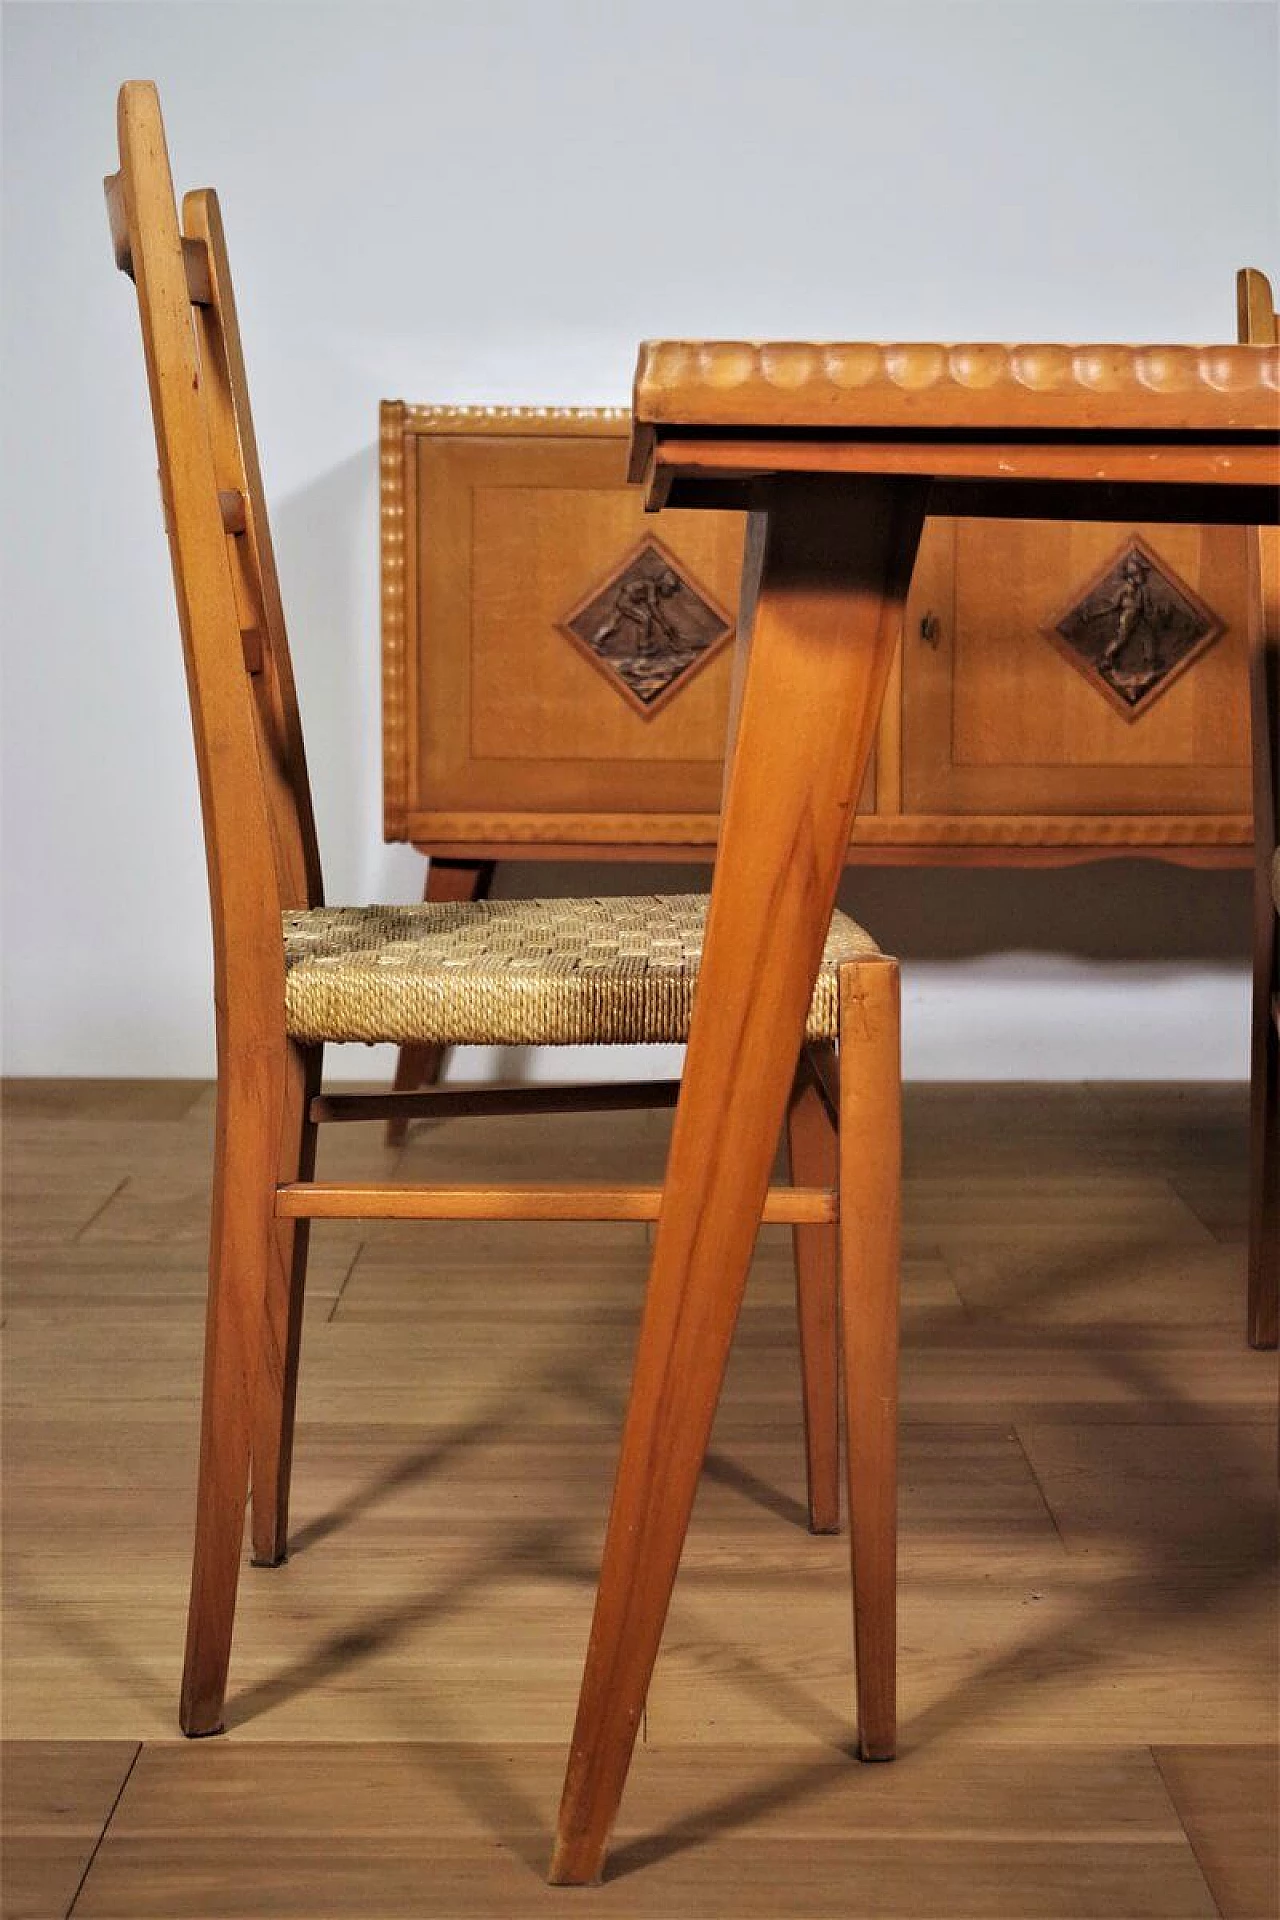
838,452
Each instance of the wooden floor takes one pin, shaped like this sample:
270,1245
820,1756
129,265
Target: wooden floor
1088,1526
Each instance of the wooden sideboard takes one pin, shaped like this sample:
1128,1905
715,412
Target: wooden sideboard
556,668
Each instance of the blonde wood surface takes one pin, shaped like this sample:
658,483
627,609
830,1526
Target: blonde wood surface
961,466
499,741
320,1201
58,1796
870,1233
259,835
812,1145
513,535
1226,1799
1087,1537
832,566
959,388
1257,323
829,556
276,1393
911,840
1002,722
262,859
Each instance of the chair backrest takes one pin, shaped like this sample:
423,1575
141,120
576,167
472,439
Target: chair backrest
1257,326
259,828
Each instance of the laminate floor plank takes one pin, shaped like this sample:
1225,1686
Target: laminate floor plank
1228,1798
309,1831
57,1796
1087,1516
27,1099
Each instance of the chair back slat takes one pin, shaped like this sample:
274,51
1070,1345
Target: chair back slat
258,823
236,466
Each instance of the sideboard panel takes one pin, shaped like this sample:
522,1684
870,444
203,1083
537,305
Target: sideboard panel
1053,668
556,667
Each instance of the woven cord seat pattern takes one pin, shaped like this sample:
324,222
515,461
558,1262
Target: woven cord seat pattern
515,972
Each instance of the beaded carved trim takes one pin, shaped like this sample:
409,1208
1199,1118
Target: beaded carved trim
815,384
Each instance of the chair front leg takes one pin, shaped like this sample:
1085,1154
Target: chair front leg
870,1256
251,1085
277,1390
813,1156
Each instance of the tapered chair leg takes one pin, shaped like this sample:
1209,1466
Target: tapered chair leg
277,1391
870,1252
250,1099
812,1150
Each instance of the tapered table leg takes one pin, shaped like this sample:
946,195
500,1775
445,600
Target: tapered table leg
828,565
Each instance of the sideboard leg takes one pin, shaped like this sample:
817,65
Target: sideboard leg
447,880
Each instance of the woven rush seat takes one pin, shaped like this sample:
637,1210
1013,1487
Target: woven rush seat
516,972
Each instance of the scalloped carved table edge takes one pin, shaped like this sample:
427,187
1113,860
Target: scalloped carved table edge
849,385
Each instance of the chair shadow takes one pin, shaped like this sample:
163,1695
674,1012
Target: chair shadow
1063,1650
415,1466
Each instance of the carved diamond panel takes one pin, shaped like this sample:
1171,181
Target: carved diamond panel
649,627
1135,627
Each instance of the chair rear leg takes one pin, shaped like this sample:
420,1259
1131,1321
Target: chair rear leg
277,1388
870,1147
812,1151
250,1096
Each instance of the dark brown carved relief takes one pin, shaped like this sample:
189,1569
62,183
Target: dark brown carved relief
1134,628
648,627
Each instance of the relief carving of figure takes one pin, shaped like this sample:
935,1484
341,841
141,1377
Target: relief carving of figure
1135,612
1134,628
648,627
639,602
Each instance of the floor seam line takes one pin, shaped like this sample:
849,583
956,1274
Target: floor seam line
1036,1481
337,1298
97,1845
98,1212
1177,1814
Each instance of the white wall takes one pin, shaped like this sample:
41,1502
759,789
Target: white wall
496,200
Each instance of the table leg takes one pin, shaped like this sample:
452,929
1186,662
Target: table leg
827,570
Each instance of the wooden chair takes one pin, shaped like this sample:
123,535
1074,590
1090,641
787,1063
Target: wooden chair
291,974
1256,314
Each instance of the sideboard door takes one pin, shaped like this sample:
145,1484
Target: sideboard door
1054,668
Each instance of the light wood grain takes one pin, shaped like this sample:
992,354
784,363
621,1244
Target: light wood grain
400,1716
414,1823
1228,1798
812,1150
57,1796
320,1201
263,860
832,566
961,388
518,510
1258,324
